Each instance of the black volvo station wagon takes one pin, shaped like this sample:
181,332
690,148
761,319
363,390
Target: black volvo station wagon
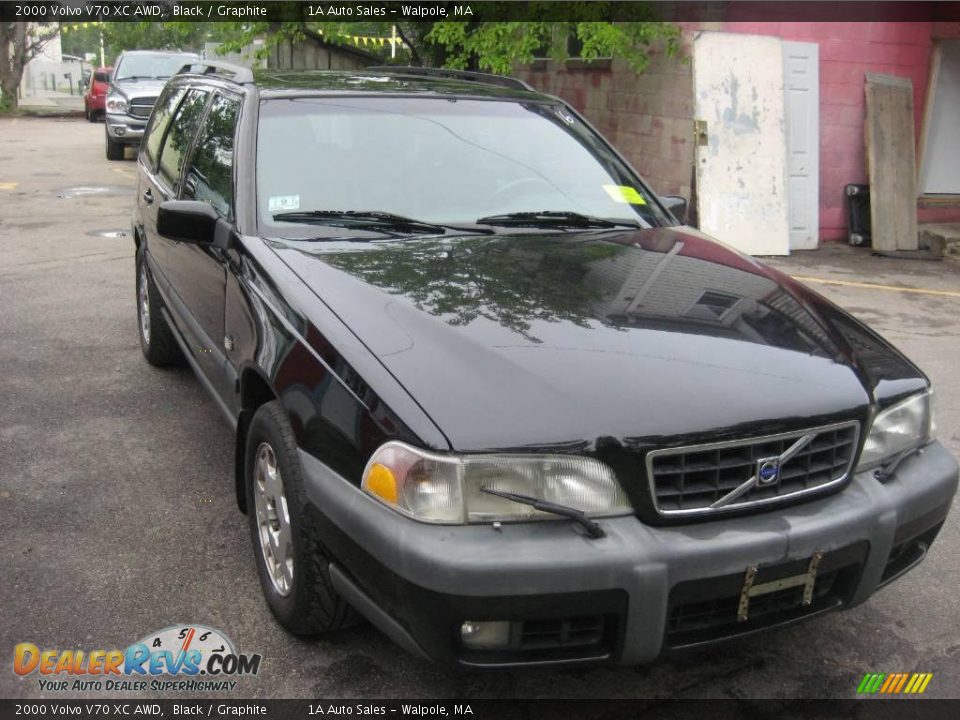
490,394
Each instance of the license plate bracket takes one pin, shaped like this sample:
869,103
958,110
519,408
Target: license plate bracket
751,589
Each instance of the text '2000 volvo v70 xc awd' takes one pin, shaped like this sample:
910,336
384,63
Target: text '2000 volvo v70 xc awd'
489,393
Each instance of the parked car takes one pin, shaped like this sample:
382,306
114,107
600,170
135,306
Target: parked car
95,98
490,394
138,78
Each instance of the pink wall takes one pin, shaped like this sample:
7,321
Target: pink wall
847,52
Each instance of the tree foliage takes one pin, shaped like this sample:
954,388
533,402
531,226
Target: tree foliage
498,46
518,282
19,44
120,36
488,46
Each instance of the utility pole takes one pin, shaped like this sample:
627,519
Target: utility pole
103,62
393,41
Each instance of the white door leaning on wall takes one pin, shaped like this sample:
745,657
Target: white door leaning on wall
757,162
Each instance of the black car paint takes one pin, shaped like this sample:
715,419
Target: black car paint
359,356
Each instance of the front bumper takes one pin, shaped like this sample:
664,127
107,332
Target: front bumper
124,128
632,595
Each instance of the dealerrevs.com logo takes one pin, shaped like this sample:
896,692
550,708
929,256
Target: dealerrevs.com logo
198,658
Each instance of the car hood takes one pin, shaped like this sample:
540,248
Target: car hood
562,340
138,88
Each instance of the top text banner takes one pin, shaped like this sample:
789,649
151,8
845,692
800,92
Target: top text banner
475,11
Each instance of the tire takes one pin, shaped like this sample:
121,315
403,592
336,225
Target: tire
114,149
91,116
156,339
304,600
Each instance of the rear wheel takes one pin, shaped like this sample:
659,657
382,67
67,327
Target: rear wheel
156,339
114,149
292,563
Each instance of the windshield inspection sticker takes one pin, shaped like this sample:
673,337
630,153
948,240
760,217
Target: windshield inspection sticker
624,194
279,203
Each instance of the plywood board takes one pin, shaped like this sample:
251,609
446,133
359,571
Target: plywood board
892,162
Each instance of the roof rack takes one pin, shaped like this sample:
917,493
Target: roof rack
468,75
227,71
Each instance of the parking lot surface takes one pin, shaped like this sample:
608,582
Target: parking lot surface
117,500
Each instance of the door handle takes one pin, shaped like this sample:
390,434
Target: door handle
148,196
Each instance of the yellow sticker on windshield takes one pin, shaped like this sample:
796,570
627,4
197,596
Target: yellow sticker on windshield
624,194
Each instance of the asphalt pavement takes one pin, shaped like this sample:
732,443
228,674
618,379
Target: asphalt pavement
117,505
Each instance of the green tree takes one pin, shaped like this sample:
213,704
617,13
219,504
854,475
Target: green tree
19,44
120,36
186,36
77,40
488,46
498,46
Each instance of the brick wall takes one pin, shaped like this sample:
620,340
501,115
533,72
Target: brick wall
648,117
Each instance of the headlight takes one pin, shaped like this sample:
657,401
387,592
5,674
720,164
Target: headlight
116,104
447,488
907,425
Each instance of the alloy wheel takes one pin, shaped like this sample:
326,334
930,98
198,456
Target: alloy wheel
144,305
273,520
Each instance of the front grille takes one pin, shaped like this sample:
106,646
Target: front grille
688,480
142,107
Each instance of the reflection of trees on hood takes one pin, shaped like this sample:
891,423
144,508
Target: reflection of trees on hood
512,281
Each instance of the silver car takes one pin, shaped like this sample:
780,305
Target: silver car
138,78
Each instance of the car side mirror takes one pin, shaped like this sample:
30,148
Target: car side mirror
677,205
189,221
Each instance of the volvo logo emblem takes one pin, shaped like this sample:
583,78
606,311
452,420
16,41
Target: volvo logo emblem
768,471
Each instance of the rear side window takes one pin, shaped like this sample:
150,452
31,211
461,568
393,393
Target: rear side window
210,174
158,126
182,129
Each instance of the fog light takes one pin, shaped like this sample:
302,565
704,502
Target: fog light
485,635
120,131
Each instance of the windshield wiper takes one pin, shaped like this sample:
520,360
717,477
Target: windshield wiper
592,529
551,218
373,219
886,471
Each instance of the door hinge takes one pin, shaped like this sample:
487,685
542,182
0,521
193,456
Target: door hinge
700,132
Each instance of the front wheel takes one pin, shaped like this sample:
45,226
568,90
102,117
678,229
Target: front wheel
114,149
292,563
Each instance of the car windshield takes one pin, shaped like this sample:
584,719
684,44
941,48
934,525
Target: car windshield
150,65
437,160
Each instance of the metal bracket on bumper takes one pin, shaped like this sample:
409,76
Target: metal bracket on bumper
750,590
